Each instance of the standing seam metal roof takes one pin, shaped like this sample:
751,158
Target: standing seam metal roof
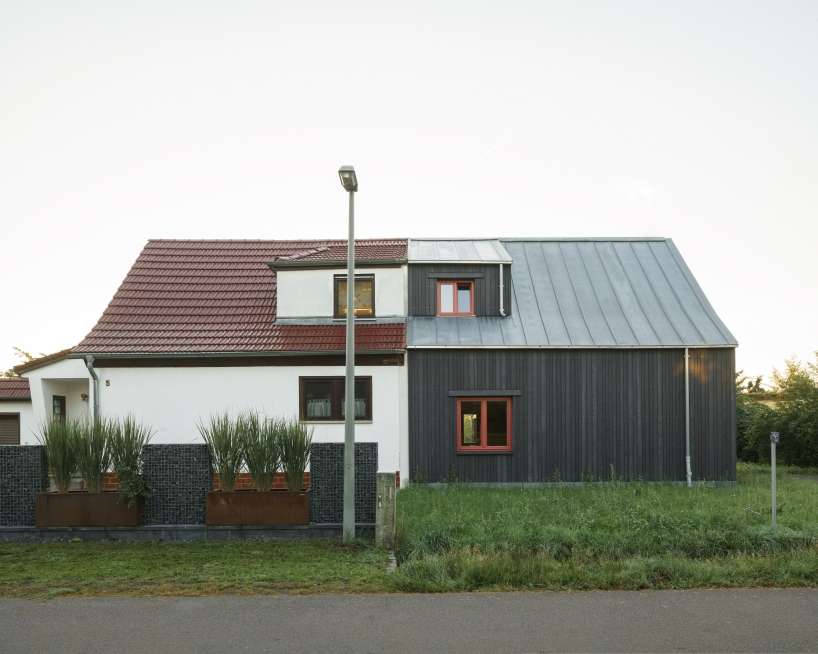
606,293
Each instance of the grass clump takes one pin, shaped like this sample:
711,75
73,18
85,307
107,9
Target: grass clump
58,439
223,439
260,448
295,442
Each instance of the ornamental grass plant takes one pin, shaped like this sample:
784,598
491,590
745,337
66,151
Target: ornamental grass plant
58,439
221,434
92,442
127,441
259,440
295,442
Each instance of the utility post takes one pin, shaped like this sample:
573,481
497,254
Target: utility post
774,438
350,183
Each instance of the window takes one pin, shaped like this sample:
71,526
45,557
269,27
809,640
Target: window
322,398
58,407
455,298
484,424
364,296
9,428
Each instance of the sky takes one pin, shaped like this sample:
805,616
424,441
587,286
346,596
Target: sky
121,122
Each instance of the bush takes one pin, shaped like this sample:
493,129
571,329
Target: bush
295,442
222,438
57,438
259,440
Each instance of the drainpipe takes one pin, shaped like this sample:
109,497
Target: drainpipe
687,419
502,308
89,363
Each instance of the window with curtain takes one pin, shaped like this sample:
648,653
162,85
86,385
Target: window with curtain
322,398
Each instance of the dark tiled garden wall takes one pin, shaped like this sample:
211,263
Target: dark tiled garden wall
179,477
327,474
23,474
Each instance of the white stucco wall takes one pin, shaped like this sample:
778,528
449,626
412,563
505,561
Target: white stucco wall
309,293
28,426
68,377
172,400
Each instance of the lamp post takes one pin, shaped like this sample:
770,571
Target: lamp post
350,183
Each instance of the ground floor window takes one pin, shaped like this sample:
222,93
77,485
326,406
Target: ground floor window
9,428
322,398
484,424
58,407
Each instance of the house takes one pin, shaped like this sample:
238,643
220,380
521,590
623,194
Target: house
487,360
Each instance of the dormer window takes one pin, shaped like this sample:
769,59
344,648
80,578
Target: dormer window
455,298
364,296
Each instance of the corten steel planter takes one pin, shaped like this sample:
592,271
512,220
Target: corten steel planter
249,507
86,510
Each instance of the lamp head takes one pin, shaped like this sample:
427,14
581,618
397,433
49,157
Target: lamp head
349,180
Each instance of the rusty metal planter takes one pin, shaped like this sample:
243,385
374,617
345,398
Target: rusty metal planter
258,508
86,510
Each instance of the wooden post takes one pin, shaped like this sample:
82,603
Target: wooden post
385,511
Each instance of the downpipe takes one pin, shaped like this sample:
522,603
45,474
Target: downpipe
89,363
687,420
502,293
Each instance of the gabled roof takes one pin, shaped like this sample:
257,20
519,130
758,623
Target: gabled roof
14,388
219,296
335,252
605,293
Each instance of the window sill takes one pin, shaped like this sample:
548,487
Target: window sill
484,452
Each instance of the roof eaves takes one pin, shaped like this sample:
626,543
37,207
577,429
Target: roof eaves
39,362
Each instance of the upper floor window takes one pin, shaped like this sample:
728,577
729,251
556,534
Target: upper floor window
455,298
364,292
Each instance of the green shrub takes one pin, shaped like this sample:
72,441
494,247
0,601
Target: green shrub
57,438
295,442
222,438
127,441
260,447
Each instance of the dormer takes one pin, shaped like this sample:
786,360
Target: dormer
459,278
311,284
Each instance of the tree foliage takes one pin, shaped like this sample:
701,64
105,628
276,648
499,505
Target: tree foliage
794,414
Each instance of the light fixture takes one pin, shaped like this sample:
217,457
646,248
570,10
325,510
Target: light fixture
348,178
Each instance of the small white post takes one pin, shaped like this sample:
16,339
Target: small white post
774,437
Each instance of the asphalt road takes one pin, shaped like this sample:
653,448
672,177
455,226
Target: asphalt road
658,621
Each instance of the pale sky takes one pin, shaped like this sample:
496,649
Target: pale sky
121,122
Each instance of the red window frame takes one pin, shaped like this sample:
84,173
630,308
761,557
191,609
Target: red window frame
454,282
484,446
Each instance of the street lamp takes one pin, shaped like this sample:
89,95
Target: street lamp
350,183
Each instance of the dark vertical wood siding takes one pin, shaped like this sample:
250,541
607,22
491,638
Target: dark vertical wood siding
423,285
580,415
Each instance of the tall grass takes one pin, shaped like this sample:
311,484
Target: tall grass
93,450
223,441
58,439
295,442
466,538
258,436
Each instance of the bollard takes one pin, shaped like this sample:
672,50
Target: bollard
774,437
385,512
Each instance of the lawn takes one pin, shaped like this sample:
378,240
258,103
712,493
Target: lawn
202,568
602,536
606,536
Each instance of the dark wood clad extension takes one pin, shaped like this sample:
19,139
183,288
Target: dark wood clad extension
579,412
423,287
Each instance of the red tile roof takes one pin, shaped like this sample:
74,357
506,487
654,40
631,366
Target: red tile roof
220,296
14,388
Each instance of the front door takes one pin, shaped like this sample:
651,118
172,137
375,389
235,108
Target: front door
58,404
